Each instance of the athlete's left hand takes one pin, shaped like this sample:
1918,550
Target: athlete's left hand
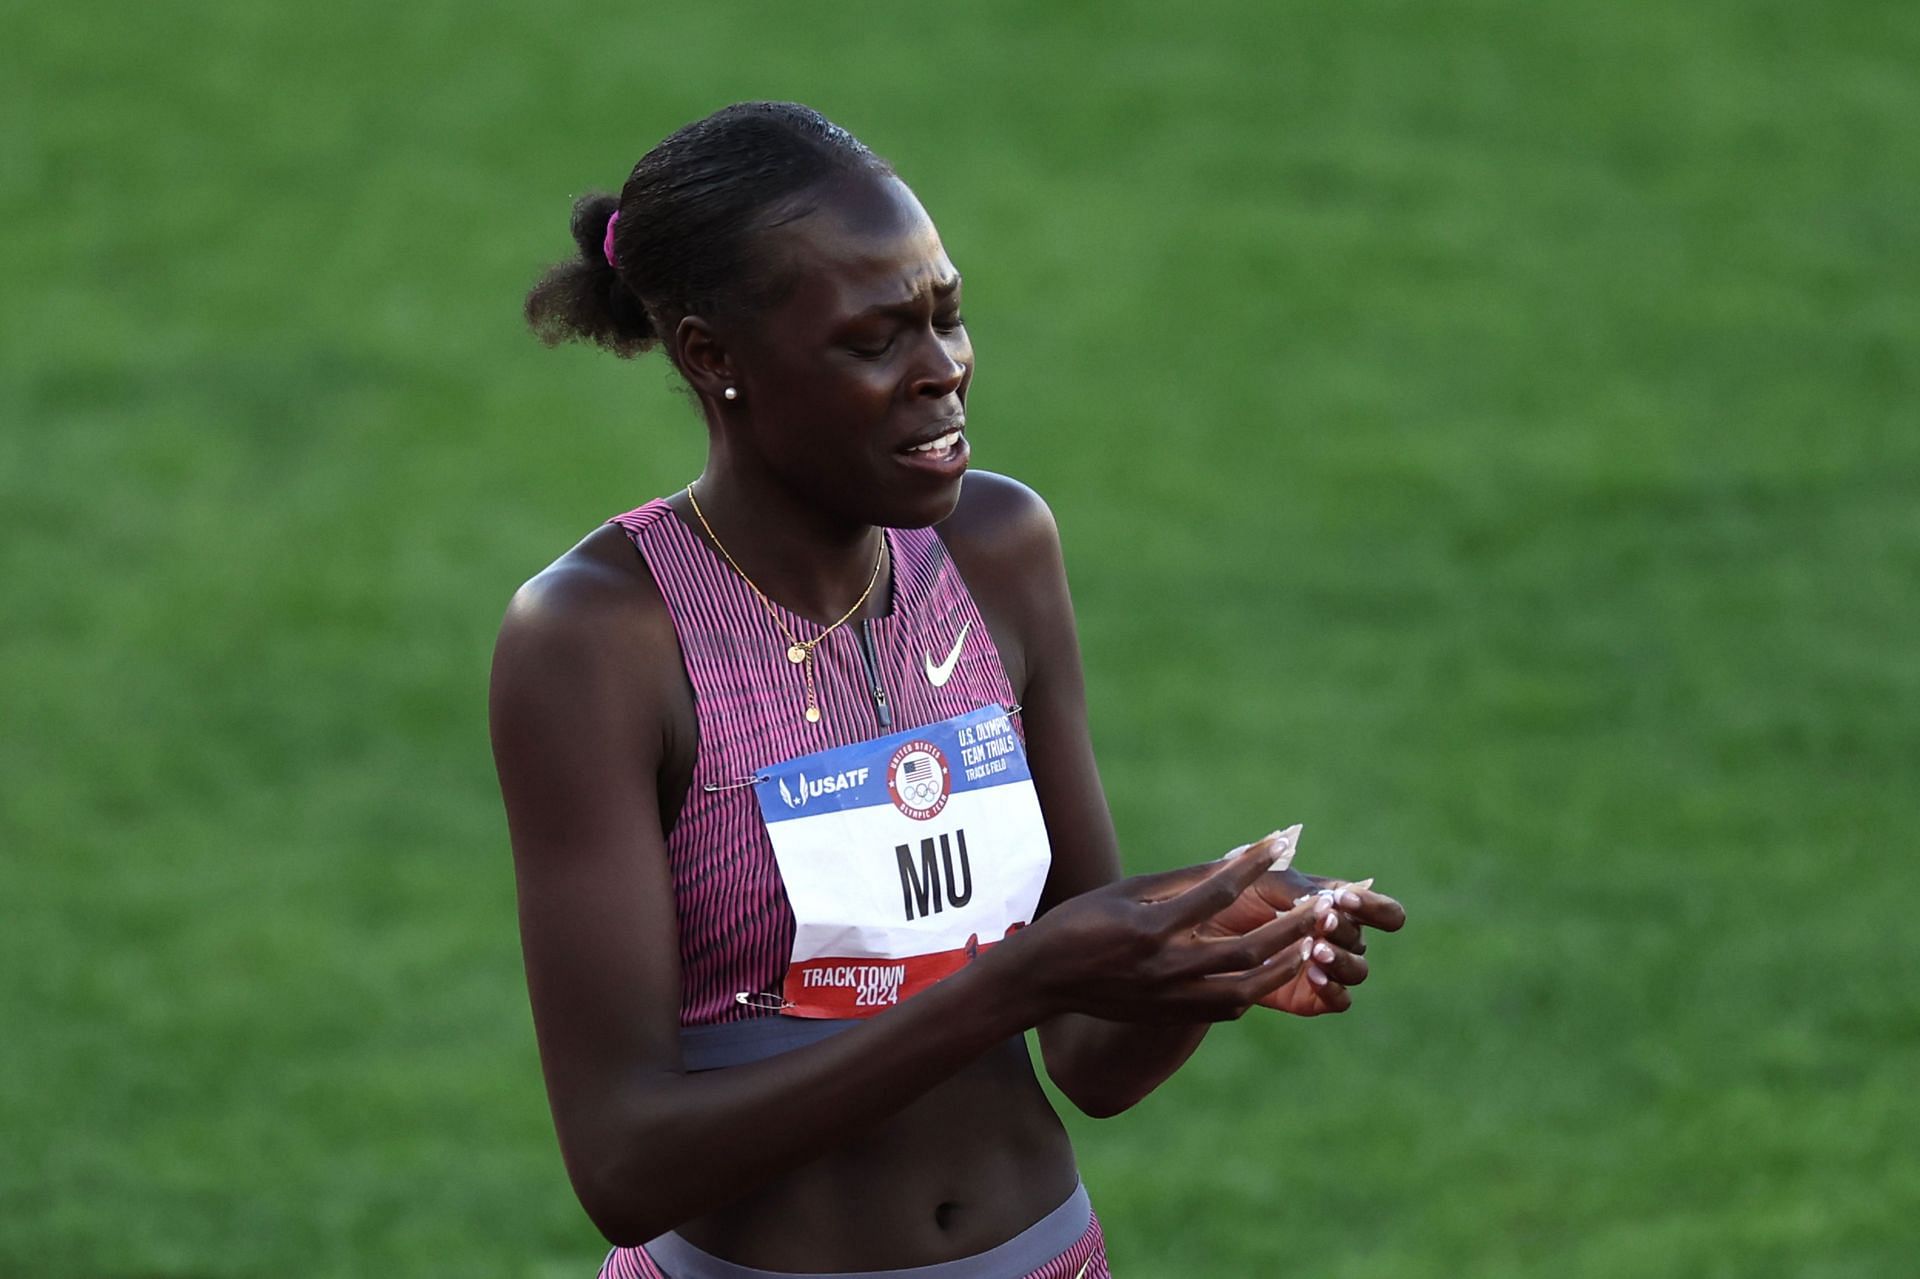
1338,961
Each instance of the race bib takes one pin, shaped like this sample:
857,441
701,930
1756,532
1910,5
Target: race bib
903,857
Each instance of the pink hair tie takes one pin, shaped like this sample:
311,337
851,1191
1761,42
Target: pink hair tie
606,246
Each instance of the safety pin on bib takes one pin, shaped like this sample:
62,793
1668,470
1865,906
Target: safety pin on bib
762,999
713,788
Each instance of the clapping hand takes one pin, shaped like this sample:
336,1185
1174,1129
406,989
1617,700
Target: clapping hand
1342,908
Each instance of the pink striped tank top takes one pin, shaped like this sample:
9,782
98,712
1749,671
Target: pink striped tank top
927,659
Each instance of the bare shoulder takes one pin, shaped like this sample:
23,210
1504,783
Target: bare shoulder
597,591
1000,525
592,621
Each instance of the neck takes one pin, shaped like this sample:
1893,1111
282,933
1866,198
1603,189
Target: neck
798,555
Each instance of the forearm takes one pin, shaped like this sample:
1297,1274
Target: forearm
689,1143
1105,1067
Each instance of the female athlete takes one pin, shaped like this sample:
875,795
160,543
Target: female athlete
805,819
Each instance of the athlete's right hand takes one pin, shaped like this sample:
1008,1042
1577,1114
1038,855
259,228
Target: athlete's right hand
1136,950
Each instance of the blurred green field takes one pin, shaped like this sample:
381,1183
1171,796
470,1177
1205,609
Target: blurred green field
1485,433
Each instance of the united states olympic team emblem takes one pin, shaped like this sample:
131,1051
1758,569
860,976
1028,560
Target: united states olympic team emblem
918,780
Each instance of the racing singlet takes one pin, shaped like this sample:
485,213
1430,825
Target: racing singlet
907,836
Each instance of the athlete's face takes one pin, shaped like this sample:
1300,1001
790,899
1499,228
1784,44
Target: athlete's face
863,361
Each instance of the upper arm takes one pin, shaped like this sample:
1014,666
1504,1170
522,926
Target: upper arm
1007,546
581,709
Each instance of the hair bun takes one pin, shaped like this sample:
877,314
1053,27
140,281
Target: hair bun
591,213
585,299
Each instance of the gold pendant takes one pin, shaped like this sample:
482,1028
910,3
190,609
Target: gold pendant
813,714
796,654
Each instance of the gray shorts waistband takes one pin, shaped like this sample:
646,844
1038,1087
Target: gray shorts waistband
1017,1258
736,1043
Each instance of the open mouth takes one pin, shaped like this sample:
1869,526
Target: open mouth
944,456
936,450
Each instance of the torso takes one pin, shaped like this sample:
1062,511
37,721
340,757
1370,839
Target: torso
973,1161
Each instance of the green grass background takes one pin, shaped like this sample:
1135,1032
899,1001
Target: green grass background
1485,432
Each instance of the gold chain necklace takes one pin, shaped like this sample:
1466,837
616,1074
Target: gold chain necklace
799,651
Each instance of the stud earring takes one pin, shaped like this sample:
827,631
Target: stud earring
731,394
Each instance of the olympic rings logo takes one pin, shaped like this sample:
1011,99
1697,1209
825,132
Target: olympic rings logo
918,780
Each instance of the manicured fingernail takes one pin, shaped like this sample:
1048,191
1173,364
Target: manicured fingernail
1329,922
1350,899
1286,841
1306,950
1323,953
1315,976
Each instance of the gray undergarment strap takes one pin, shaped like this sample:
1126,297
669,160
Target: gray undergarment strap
735,1043
1018,1257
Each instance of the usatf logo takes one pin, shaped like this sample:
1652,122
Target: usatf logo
831,784
918,780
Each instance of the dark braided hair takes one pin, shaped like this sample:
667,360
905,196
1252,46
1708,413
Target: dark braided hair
689,213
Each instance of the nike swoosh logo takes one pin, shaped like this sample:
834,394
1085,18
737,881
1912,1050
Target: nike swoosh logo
939,675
